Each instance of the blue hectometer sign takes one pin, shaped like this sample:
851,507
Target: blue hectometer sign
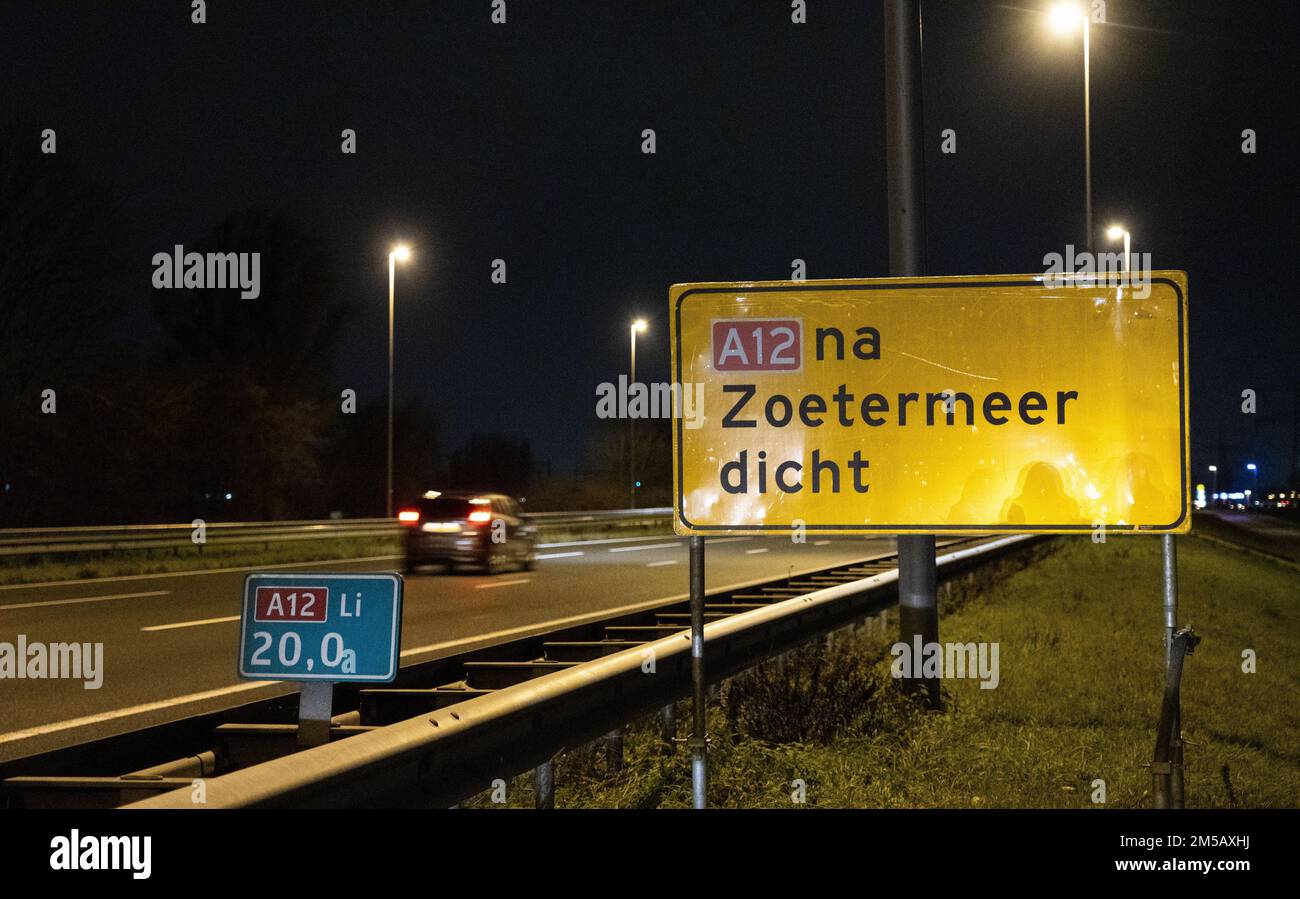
333,627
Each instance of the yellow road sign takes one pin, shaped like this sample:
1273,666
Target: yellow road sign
951,405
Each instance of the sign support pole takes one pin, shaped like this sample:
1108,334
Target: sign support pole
699,740
917,569
1169,560
315,706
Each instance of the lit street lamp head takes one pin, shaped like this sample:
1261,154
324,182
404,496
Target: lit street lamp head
1065,17
1115,232
639,326
401,252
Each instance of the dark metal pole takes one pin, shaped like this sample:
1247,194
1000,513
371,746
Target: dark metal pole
699,743
918,605
904,159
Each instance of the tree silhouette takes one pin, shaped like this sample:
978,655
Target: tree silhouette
284,338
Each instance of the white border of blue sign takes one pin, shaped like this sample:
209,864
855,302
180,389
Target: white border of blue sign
394,661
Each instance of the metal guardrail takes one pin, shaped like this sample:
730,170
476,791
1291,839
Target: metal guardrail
40,541
441,757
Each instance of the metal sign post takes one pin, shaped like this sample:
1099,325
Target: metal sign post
315,707
699,736
320,629
1169,558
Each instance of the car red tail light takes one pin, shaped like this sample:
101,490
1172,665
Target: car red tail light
409,517
480,517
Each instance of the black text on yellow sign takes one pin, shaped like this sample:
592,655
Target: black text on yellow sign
971,404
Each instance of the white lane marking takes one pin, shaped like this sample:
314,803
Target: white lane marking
632,549
168,627
558,555
501,584
602,541
68,602
821,543
713,541
750,552
101,717
657,564
167,574
539,627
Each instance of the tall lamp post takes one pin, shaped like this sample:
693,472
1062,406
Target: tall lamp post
1064,17
638,327
1254,478
399,253
1214,489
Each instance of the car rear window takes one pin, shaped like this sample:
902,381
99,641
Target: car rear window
445,507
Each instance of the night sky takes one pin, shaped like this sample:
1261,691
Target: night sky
523,142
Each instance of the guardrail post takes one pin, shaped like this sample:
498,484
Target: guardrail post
614,749
699,738
668,727
544,784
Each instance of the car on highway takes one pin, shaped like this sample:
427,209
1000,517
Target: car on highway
457,527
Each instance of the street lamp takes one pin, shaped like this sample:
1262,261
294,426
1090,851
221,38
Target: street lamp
1115,232
400,253
1254,477
638,327
1214,471
1064,17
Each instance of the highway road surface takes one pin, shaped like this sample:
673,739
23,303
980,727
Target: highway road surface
170,640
